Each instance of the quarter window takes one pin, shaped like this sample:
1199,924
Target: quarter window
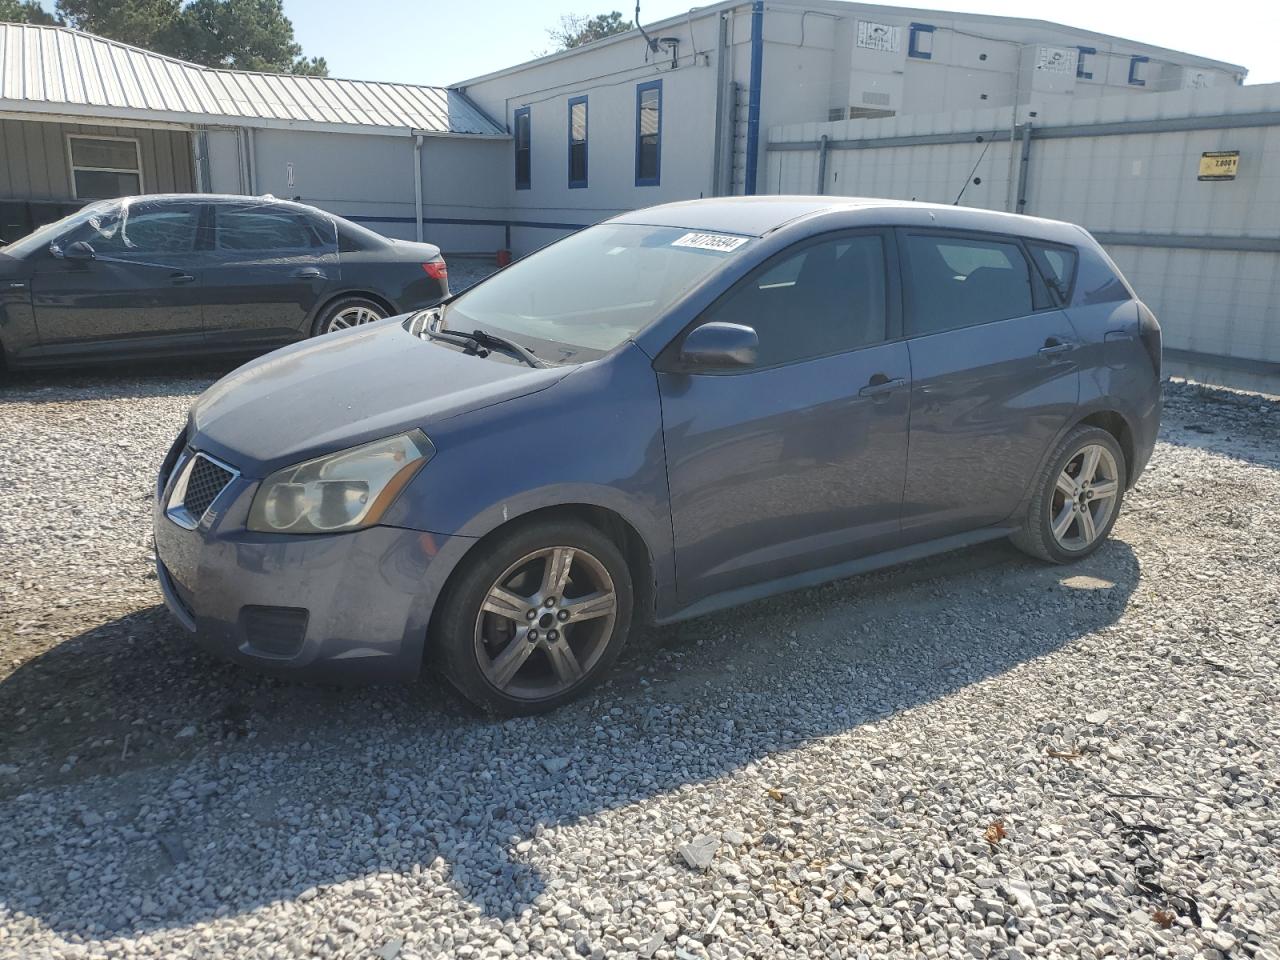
826,298
649,134
578,142
104,167
1057,266
524,149
960,282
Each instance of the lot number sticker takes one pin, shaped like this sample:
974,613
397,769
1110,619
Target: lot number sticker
710,241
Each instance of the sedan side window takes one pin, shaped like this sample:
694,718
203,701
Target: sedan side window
262,230
828,297
961,282
142,229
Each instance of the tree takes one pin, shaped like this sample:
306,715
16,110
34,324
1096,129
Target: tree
24,11
233,34
575,29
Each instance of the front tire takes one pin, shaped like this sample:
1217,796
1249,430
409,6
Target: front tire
1077,498
346,312
536,618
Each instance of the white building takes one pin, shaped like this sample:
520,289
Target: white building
681,110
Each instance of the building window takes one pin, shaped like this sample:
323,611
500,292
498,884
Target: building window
920,41
1083,63
104,167
1138,71
524,149
578,142
649,133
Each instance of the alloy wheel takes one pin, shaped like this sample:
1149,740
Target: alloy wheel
1084,497
352,317
545,622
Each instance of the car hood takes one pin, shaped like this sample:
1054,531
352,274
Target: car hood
345,389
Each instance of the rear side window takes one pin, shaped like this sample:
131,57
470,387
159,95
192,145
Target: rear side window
262,230
1058,267
962,282
828,297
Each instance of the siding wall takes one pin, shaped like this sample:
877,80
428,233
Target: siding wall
34,164
1171,234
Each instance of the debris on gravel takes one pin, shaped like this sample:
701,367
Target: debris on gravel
815,775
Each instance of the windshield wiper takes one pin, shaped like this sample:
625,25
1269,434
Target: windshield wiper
502,343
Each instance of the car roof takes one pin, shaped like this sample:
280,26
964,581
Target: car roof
758,216
220,198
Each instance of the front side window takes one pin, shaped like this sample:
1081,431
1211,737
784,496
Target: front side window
578,142
962,282
146,229
649,134
524,149
826,298
241,229
591,291
103,167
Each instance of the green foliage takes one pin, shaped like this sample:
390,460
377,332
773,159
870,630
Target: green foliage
575,30
234,34
24,11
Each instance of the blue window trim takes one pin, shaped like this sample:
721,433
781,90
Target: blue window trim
579,184
1133,70
657,174
913,34
515,139
1082,52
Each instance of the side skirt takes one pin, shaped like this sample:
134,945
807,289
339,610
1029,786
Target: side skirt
839,571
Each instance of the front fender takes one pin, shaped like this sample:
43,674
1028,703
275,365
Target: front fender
593,439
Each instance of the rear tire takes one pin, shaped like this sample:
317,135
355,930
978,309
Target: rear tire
346,312
1077,497
534,619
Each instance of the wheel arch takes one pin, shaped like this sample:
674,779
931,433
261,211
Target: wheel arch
1115,423
624,533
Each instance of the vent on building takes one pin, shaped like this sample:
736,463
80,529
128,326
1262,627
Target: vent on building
835,113
879,99
868,113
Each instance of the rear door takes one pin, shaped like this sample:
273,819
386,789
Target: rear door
994,378
141,292
795,463
268,268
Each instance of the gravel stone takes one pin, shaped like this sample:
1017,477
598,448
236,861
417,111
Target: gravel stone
897,715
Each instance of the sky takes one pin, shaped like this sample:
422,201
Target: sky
433,42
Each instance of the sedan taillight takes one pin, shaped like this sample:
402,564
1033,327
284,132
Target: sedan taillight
436,269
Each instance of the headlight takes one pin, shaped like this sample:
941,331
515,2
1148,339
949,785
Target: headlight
343,491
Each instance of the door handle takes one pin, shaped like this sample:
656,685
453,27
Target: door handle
309,273
881,385
181,278
1053,346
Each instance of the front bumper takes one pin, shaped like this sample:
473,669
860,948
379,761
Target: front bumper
339,607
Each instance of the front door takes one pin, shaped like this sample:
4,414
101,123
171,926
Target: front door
269,266
141,291
797,462
994,378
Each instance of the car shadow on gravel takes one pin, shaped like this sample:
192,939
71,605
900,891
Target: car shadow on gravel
145,786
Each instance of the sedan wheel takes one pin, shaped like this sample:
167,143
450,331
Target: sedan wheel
353,317
534,618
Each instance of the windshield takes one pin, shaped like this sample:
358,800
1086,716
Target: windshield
593,290
43,236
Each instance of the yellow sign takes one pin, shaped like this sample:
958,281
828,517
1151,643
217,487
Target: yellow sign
1219,165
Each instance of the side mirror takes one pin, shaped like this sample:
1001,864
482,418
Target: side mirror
719,346
80,250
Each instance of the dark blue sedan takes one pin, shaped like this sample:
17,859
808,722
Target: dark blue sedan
677,410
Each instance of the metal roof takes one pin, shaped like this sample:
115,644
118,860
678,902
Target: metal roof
61,71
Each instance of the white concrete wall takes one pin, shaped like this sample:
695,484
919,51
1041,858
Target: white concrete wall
1222,302
465,180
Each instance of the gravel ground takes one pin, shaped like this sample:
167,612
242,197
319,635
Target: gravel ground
974,756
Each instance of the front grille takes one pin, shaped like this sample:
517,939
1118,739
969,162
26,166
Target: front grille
206,481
